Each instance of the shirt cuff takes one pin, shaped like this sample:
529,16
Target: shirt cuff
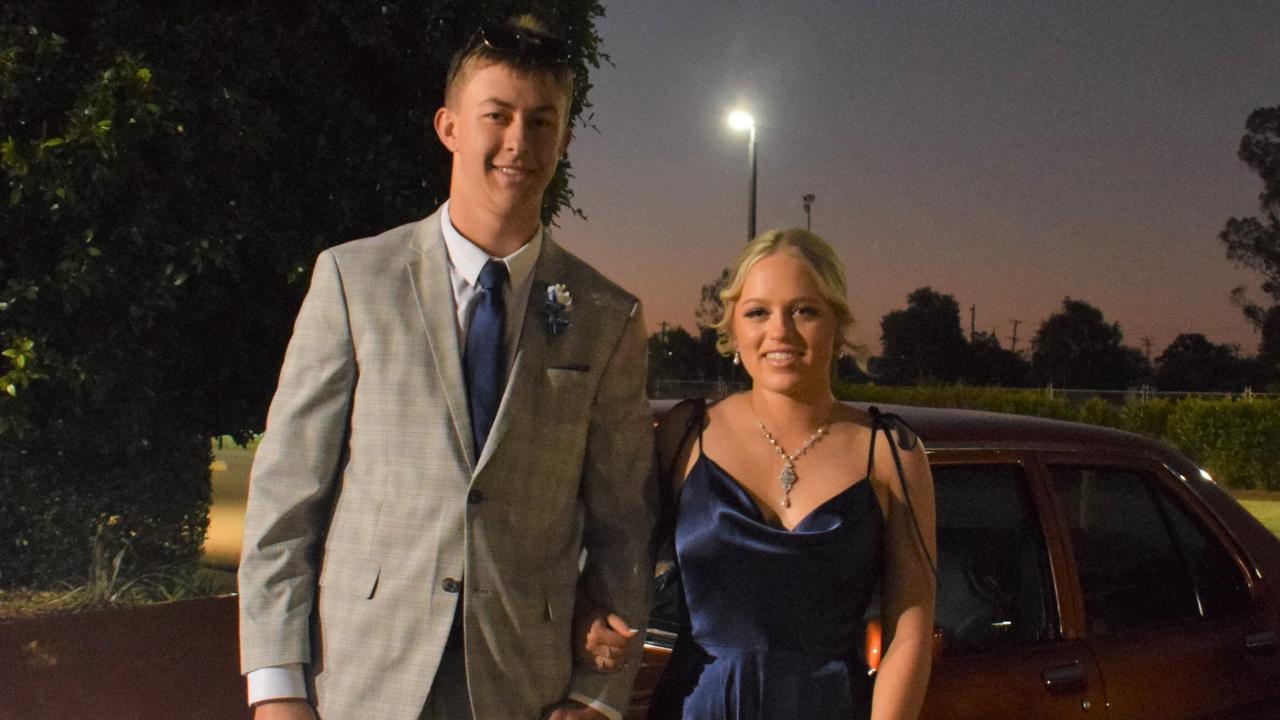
283,682
596,705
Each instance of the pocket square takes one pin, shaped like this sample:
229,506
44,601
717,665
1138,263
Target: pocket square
572,368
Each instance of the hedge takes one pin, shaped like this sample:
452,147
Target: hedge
1236,441
79,490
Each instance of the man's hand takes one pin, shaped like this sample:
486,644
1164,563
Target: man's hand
284,710
600,639
572,710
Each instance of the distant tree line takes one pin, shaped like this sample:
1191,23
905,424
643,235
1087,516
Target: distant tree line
1076,347
1073,348
925,344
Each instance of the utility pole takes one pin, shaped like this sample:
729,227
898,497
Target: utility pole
973,322
741,120
1146,344
1014,340
808,206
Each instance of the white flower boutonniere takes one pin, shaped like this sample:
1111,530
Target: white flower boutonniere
558,302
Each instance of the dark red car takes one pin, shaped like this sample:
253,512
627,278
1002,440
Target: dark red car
1083,572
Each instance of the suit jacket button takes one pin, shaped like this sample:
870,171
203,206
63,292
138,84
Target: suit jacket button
450,585
475,497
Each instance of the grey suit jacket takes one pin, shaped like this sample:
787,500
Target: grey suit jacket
364,504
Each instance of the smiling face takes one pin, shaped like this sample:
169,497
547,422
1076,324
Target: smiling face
783,328
506,130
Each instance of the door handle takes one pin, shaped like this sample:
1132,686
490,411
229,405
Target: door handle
1063,676
1260,642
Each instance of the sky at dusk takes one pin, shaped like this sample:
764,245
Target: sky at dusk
1008,153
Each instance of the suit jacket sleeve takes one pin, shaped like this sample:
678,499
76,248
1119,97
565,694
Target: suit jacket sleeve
295,473
620,498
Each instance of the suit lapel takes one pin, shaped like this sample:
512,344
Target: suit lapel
528,369
431,285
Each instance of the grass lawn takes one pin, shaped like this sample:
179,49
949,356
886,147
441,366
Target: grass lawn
1267,511
226,516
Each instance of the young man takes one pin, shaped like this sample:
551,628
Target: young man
459,444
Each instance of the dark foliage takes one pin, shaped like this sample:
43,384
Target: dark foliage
923,343
710,309
1193,364
1077,348
991,365
1254,242
677,355
170,170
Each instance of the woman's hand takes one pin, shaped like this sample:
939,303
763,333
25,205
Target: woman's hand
600,638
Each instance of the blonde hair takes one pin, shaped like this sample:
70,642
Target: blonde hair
804,245
477,56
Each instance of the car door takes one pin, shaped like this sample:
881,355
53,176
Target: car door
1167,601
1006,653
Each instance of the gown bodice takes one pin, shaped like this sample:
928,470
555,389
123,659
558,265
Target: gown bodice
775,615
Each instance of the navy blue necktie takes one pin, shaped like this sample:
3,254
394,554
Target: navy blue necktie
485,357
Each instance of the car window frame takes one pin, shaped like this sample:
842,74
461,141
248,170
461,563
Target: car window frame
1061,580
1170,481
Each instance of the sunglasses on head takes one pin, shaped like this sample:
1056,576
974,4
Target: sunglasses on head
525,43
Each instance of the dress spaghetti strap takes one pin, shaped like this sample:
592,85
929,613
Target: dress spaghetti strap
668,499
906,438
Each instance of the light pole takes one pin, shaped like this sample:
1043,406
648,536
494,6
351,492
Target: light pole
808,205
742,120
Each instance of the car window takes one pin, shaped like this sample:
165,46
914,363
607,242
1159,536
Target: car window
1143,558
1216,579
994,585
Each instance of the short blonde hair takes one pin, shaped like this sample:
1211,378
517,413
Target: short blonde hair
477,56
804,245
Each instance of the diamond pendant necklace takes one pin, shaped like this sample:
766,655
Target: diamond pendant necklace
788,475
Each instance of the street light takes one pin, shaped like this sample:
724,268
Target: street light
741,120
808,205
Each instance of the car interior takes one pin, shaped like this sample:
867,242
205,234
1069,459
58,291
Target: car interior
994,585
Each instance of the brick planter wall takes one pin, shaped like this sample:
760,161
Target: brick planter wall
168,660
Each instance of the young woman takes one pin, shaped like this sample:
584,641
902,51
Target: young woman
791,510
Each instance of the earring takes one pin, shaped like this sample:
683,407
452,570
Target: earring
737,358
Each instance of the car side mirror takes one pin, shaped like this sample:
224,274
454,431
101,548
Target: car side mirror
874,637
875,643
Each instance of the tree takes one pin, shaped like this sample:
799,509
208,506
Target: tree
1254,242
989,363
1268,359
925,341
710,308
677,355
1191,363
170,170
674,354
1077,348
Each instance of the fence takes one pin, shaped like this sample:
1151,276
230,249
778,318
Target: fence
680,389
1146,392
714,389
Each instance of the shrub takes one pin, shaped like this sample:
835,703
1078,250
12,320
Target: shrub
1150,418
128,478
169,172
1237,441
1018,402
1096,411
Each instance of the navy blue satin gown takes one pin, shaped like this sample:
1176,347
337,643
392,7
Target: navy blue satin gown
776,616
